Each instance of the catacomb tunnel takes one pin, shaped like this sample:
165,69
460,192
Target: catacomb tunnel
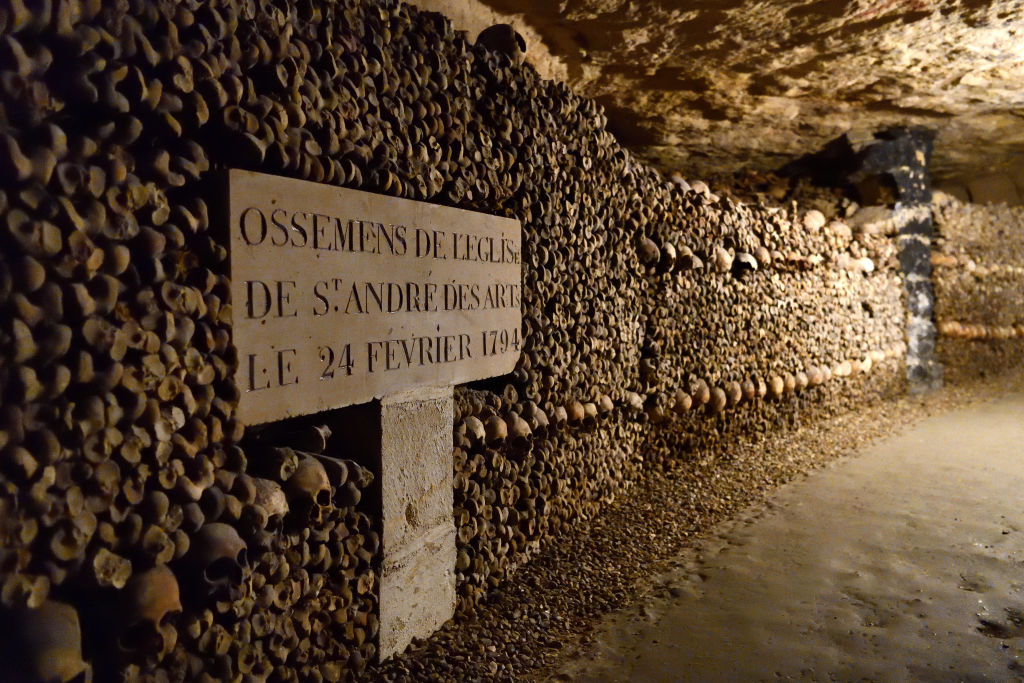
485,340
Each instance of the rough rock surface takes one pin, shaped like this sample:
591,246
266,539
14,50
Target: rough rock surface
712,86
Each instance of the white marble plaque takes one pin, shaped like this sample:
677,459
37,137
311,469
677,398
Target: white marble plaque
341,296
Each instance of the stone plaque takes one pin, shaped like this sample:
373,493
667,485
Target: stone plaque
341,296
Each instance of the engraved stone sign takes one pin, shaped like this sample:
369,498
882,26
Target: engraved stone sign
341,296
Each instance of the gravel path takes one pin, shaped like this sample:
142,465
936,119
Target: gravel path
546,614
901,564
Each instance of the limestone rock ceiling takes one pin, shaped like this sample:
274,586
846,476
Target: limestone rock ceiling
712,86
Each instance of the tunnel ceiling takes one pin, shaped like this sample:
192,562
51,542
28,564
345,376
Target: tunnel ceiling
710,87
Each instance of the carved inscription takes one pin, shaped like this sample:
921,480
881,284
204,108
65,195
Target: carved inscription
341,296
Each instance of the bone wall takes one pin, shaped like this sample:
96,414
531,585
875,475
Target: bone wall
178,544
979,285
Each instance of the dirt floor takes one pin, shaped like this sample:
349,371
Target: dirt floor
547,613
903,563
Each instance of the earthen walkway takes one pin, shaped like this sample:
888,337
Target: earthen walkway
905,563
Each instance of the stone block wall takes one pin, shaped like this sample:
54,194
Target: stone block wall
176,543
979,286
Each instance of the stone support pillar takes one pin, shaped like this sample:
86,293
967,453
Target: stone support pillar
903,154
417,584
406,438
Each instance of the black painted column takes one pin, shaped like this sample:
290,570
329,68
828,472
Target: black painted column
903,154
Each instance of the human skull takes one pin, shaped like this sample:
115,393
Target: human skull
504,39
309,488
218,558
150,598
44,644
270,496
